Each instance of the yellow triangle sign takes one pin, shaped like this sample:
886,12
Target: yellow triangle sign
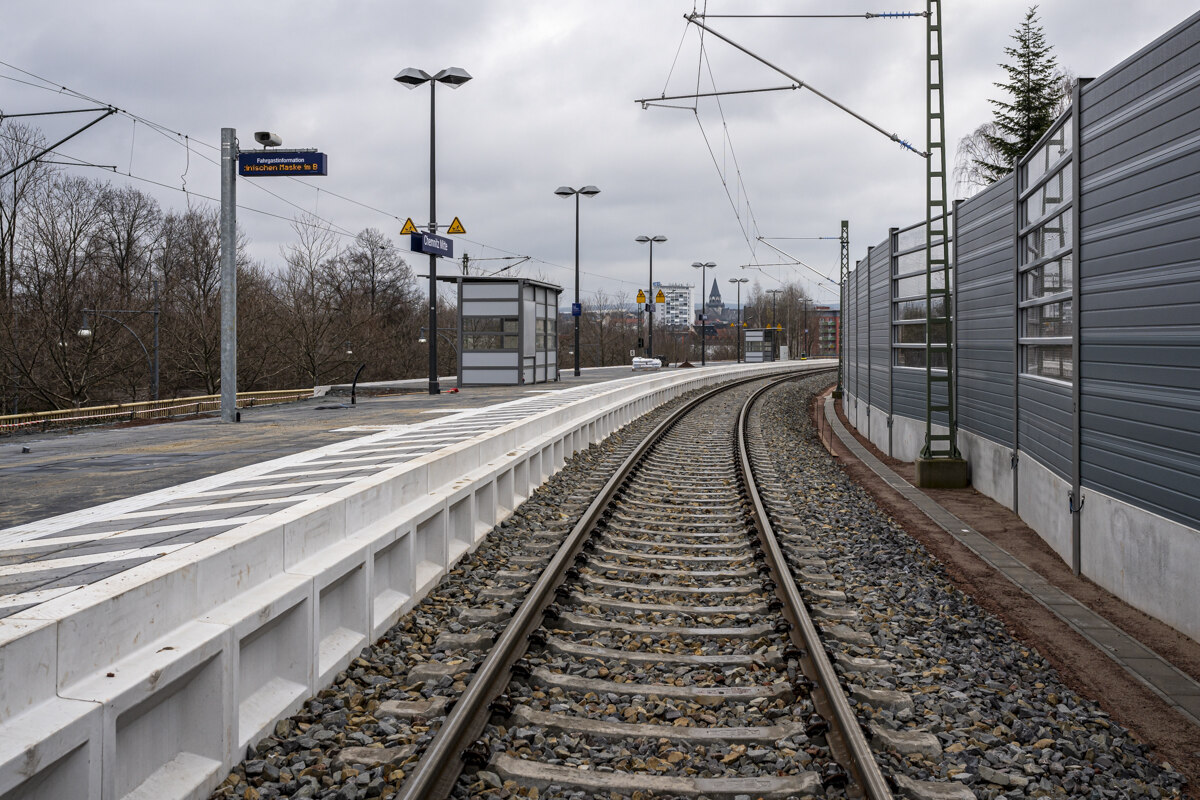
409,227
660,297
641,298
456,227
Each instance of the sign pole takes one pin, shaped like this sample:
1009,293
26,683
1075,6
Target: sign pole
228,236
434,388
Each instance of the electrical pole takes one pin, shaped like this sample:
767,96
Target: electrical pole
228,235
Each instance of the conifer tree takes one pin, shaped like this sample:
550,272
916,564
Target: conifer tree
1035,87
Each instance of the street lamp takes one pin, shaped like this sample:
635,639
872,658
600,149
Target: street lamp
702,266
739,282
86,330
586,191
411,78
651,239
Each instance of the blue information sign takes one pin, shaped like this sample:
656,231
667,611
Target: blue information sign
271,163
431,244
576,309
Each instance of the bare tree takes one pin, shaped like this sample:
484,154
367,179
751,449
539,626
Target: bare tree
56,279
309,288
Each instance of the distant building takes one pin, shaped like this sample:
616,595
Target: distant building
829,331
677,311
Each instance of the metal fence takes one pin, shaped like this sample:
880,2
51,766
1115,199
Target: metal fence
133,412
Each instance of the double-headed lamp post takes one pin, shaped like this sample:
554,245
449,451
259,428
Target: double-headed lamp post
651,239
411,78
586,191
703,266
739,282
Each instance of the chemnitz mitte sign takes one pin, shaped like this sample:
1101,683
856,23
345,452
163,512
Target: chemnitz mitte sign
431,244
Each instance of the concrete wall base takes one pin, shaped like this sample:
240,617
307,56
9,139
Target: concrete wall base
1140,557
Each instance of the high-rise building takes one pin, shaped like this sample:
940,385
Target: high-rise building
678,310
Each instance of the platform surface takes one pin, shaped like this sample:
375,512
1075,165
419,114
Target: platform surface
82,507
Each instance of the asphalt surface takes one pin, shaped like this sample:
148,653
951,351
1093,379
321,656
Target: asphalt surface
68,471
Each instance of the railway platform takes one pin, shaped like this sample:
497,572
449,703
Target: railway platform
234,570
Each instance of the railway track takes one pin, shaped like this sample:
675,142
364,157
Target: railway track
664,650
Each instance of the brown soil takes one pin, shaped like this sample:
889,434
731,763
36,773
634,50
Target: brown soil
1085,669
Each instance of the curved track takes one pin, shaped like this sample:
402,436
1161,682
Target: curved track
664,649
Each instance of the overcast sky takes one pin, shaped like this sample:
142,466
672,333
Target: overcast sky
551,103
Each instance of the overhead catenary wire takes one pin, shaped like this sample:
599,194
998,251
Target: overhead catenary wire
693,18
189,143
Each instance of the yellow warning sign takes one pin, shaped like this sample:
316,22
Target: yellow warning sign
409,227
456,227
660,297
641,298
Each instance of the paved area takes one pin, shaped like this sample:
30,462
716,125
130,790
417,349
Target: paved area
169,486
64,472
1177,689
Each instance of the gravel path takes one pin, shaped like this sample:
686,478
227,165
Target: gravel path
1006,724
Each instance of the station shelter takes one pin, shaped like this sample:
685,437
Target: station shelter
759,345
507,331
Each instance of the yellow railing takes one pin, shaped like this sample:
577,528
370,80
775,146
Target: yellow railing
131,412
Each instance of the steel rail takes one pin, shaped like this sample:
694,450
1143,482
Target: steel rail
439,768
804,633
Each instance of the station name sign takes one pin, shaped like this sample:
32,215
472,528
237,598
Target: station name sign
260,164
431,244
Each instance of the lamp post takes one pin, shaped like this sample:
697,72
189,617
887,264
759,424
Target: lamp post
651,239
586,191
739,282
411,78
86,330
703,266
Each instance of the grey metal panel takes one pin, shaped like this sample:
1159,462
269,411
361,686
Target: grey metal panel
1045,428
863,339
1138,76
489,291
880,271
985,326
490,359
1140,279
850,320
908,393
489,377
489,308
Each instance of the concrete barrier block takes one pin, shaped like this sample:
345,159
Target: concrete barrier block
341,619
167,715
505,494
366,502
460,523
28,665
485,508
392,579
430,552
451,463
52,751
104,622
273,667
313,526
